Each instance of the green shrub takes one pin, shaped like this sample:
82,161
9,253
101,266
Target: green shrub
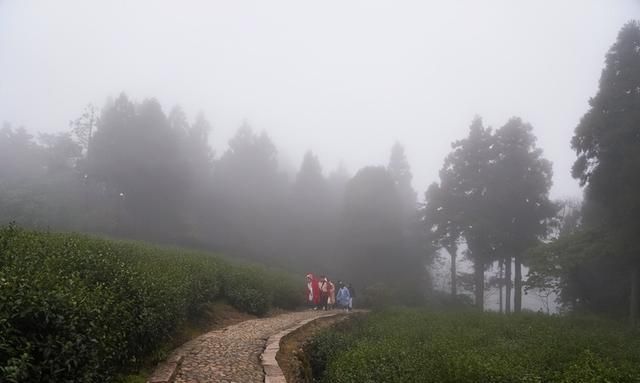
325,346
76,308
246,288
420,346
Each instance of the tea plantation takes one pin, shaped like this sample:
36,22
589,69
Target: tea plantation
420,346
74,308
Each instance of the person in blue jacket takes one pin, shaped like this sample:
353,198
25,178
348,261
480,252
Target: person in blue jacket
344,297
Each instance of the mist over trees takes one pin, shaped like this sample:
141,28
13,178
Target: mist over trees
133,171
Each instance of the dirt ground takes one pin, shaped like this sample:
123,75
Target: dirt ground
290,357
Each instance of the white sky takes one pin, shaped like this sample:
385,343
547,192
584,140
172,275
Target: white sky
343,78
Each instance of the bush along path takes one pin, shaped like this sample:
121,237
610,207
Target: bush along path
75,308
239,353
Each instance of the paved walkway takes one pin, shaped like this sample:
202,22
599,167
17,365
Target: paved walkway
228,355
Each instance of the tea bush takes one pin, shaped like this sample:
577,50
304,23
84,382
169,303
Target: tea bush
75,308
420,346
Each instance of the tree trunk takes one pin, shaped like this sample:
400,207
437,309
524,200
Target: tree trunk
453,253
479,282
501,283
517,299
507,285
633,296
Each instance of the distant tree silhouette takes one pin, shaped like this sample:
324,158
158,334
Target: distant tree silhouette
250,193
400,172
373,227
136,153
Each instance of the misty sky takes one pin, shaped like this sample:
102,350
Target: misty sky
343,78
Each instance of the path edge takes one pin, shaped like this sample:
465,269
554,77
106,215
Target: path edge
272,371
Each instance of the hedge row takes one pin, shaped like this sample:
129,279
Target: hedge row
419,346
75,308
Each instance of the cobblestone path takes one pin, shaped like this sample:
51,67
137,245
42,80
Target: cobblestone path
232,354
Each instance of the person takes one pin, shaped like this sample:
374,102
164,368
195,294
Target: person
313,293
331,301
352,294
323,285
344,297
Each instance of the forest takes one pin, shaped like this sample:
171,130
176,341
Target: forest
131,170
131,217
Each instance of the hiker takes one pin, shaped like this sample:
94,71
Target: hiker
352,294
344,297
331,301
323,284
313,292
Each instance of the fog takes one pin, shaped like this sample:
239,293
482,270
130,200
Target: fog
386,143
344,79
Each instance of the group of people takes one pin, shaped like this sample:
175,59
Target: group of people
323,294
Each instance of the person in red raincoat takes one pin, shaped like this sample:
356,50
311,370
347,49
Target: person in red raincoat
313,291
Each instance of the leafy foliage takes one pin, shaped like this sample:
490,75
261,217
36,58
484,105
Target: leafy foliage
77,308
421,346
582,269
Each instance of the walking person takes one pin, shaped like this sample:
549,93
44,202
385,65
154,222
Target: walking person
343,297
332,295
313,292
324,292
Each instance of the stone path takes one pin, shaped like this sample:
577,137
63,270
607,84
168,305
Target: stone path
228,355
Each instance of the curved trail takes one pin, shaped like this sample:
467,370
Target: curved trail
231,354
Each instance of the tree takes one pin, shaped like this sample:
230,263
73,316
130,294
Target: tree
60,151
136,154
444,227
400,172
373,228
199,162
583,270
84,126
607,144
520,192
337,184
493,196
22,168
311,239
250,193
462,204
310,186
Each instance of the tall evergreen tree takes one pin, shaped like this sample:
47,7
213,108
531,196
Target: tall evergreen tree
607,143
465,178
520,194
